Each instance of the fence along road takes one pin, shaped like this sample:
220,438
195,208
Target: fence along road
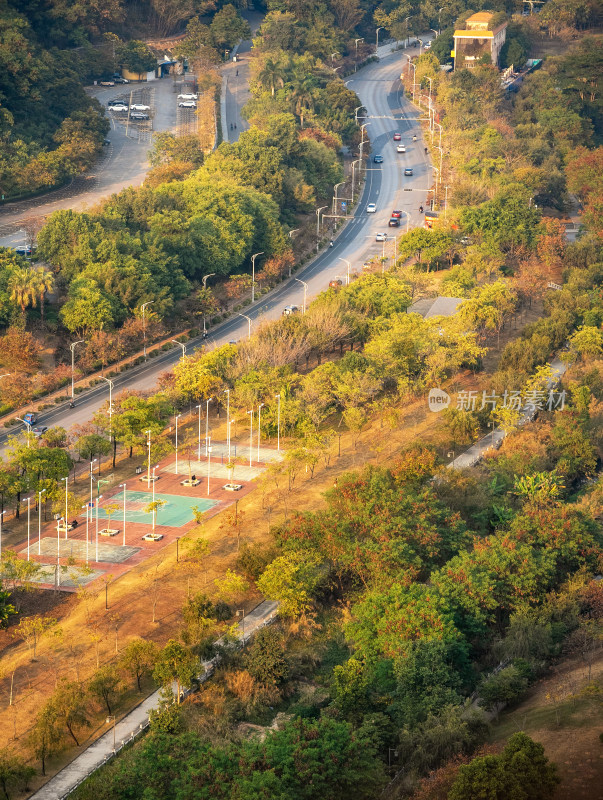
136,721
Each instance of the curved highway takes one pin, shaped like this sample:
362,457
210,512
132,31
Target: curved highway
388,112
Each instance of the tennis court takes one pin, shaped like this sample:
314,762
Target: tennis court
173,512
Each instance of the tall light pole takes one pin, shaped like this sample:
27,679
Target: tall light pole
177,418
407,38
440,20
337,185
28,523
250,435
348,275
430,112
318,210
27,428
278,423
88,511
66,502
40,493
199,438
362,141
207,402
414,75
72,347
227,393
377,44
230,421
1,515
205,277
124,486
182,345
356,56
148,433
356,110
354,177
407,220
253,258
143,308
261,405
208,466
91,477
305,285
98,499
249,324
110,382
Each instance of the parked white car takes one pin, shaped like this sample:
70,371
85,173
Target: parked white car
371,208
118,107
188,97
139,107
187,104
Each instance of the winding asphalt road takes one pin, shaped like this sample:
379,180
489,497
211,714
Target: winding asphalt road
388,112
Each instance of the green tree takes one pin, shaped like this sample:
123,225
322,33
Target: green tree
33,628
45,736
292,579
265,660
106,686
521,771
176,664
138,659
68,704
15,773
502,687
227,27
7,609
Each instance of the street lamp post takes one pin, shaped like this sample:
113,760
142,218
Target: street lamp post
259,428
143,308
177,418
414,75
182,345
250,436
27,428
278,423
305,285
356,56
148,433
1,515
72,347
407,37
377,44
207,402
348,275
440,20
253,258
205,277
110,720
356,110
407,220
337,185
362,141
28,523
124,487
208,467
227,393
87,530
98,499
66,502
318,210
248,322
40,493
333,57
110,382
199,437
354,177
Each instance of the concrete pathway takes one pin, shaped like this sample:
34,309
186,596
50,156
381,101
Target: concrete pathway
136,721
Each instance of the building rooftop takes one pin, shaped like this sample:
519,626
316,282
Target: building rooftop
481,16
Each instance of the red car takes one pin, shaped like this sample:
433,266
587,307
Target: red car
396,214
397,137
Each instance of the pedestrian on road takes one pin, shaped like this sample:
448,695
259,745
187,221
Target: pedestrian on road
237,73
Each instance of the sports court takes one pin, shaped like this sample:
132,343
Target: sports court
84,551
174,511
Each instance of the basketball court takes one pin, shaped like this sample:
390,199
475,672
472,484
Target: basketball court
174,511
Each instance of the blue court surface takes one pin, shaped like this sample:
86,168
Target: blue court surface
175,511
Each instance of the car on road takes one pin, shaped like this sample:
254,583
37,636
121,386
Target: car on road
116,102
371,208
139,107
106,142
378,159
368,265
287,310
397,137
39,430
381,237
396,214
394,222
30,418
188,97
107,82
23,250
408,171
427,45
335,283
401,148
187,104
119,107
119,79
232,487
152,537
138,115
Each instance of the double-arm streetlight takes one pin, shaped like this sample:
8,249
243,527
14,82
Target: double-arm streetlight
377,44
261,405
182,345
72,347
414,75
253,258
27,427
110,382
335,198
199,438
250,435
207,402
40,493
318,210
362,140
143,309
348,275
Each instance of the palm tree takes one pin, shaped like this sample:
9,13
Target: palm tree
272,74
44,282
303,95
23,288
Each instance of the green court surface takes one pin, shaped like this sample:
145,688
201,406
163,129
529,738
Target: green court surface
175,511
